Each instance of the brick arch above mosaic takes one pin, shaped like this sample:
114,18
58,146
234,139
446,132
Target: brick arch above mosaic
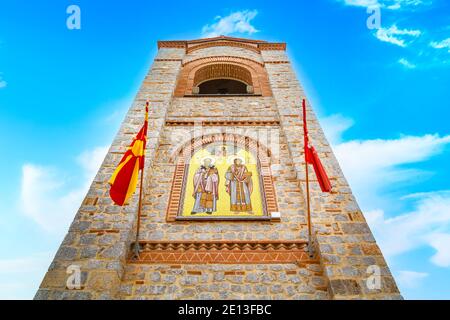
254,71
258,200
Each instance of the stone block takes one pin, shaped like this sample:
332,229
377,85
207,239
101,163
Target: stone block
102,281
345,287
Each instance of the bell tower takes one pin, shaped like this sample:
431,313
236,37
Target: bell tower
224,206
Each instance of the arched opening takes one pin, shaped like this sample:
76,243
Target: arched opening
200,70
222,79
223,86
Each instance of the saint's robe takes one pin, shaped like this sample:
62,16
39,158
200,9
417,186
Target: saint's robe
206,190
240,188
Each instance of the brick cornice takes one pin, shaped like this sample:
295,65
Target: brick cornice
172,44
272,46
193,45
181,123
277,62
227,38
177,60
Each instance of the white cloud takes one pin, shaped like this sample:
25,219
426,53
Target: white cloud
396,36
426,224
113,116
444,44
388,4
91,160
375,167
24,264
334,126
404,4
408,65
115,111
45,197
236,22
410,279
361,3
15,290
28,270
3,83
372,166
441,243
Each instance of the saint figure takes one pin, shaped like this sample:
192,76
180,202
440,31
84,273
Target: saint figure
206,188
239,186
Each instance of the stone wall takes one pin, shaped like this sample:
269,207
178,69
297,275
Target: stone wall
212,282
223,109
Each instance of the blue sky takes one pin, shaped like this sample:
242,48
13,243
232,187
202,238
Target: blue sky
382,96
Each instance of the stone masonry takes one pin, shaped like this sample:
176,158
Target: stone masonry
101,236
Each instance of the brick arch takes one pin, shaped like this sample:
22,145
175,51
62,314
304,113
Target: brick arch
256,73
222,59
185,153
223,43
222,71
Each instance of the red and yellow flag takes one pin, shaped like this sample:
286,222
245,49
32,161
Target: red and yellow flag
124,180
312,157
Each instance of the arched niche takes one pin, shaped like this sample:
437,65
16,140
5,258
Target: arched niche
222,78
222,86
228,157
247,71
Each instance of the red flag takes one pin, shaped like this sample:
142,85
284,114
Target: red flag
125,178
312,157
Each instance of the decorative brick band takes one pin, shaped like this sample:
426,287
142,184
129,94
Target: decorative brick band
175,123
237,252
277,62
253,45
162,60
172,44
223,43
221,59
245,40
272,46
182,166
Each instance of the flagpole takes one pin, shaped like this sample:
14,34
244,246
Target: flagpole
141,187
308,205
308,200
138,227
